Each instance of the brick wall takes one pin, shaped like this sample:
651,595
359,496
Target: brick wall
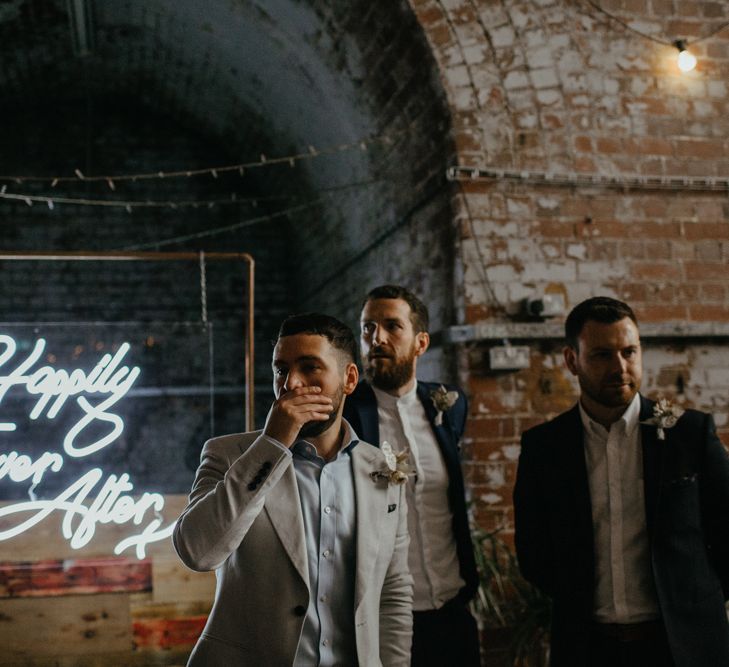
556,86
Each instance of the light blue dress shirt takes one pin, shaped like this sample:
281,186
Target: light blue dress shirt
326,493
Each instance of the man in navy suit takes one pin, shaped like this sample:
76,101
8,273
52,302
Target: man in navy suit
426,419
622,512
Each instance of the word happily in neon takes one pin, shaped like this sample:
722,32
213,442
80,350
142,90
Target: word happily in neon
95,393
55,386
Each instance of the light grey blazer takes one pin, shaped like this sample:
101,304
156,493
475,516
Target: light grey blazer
244,521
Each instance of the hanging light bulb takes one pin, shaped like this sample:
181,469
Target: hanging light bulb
686,60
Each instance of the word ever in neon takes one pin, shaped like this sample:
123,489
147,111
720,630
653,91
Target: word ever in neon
54,387
108,381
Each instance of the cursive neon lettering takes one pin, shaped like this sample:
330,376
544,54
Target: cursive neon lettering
54,387
93,413
95,393
19,467
81,518
148,535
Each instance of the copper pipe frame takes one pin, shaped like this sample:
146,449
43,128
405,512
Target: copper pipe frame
162,257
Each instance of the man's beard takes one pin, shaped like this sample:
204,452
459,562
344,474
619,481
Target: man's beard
314,428
604,396
391,375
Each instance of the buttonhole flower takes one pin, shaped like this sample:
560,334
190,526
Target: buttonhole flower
443,400
665,415
397,468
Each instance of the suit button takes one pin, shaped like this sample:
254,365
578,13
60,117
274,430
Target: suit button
252,486
266,466
299,610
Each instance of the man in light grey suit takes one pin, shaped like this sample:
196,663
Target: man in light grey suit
305,525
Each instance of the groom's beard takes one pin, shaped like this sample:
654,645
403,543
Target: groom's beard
615,392
313,428
385,371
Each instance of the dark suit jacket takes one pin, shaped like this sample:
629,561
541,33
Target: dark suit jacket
686,481
360,410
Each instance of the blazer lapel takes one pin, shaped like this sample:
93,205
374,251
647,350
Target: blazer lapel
652,462
443,433
365,411
575,467
284,510
371,498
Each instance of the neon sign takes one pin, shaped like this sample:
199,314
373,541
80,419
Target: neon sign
96,393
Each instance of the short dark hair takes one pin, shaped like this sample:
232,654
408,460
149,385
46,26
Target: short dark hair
598,309
319,324
418,310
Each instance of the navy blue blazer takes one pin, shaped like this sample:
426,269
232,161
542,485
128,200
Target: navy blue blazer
360,410
686,484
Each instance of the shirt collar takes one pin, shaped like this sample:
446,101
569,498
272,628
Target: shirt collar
305,450
630,419
393,402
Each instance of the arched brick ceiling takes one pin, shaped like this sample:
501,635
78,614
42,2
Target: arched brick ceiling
261,76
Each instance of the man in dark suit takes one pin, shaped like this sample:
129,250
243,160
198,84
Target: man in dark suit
426,419
622,512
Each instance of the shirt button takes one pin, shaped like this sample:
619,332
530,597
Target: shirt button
325,642
327,510
323,598
326,553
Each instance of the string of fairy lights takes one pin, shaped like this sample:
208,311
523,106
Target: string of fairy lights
112,180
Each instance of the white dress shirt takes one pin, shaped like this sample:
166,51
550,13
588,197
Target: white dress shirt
432,557
326,494
624,588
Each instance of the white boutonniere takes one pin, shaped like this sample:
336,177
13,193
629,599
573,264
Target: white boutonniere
665,415
443,400
398,469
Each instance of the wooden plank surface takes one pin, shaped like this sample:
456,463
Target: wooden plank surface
65,626
173,582
167,633
54,578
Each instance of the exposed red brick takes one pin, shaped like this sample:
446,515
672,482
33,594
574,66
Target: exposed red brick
478,312
490,427
700,148
706,230
583,143
653,146
632,292
685,28
653,312
608,145
654,229
555,229
706,270
658,249
713,292
429,15
440,35
467,142
687,292
656,271
709,312
585,164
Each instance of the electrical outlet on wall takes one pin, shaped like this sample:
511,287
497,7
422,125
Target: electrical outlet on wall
509,357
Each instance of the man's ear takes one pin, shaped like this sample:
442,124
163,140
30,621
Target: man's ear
422,343
351,378
570,359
